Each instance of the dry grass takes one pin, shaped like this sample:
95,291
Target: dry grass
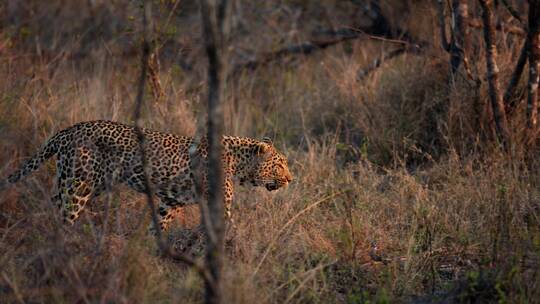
397,196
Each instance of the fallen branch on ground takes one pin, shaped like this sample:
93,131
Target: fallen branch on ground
302,48
311,46
363,73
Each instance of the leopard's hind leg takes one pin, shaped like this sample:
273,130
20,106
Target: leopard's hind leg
165,215
171,198
80,177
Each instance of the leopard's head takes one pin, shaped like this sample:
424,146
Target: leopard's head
269,167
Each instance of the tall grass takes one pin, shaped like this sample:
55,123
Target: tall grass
397,196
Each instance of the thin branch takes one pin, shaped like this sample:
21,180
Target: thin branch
476,80
162,245
155,82
287,224
311,46
307,278
305,274
171,13
388,39
380,29
302,48
137,118
196,165
515,30
533,52
212,16
445,43
380,25
509,103
512,11
460,35
363,73
18,296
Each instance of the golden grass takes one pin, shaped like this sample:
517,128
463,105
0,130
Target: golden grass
397,196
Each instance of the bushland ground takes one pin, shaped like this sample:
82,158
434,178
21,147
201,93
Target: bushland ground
399,194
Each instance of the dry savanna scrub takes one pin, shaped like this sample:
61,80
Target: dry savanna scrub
400,192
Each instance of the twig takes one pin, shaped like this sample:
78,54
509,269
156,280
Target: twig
162,245
101,233
381,30
199,143
311,275
303,48
476,23
466,65
516,76
533,37
173,9
387,39
308,272
13,287
381,26
289,222
8,228
442,26
313,45
137,118
363,73
459,43
155,82
512,11
79,286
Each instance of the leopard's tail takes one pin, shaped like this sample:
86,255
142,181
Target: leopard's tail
49,149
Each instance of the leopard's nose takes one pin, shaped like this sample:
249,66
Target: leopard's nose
289,178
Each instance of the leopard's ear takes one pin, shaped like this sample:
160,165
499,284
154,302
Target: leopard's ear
267,140
262,148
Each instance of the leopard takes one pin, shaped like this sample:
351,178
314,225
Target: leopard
93,156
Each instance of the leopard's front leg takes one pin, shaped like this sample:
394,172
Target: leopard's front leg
227,198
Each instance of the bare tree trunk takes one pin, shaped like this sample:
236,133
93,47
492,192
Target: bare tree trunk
137,115
518,70
533,53
163,245
442,26
212,15
499,114
459,42
460,34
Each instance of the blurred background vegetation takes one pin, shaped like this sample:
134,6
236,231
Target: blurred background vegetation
404,188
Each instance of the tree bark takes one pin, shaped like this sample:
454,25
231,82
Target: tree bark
212,15
512,11
533,54
460,34
459,42
139,100
162,245
499,114
518,70
445,44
